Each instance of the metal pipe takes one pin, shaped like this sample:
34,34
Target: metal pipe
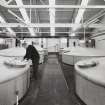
49,32
17,17
93,21
95,34
84,34
95,18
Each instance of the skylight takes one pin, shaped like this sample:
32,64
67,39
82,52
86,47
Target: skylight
52,17
25,16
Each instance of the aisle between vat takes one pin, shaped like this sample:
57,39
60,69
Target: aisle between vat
53,89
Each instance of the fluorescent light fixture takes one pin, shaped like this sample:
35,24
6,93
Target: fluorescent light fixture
52,17
25,16
80,13
9,29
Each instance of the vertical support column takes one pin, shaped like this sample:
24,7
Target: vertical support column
84,33
67,41
83,28
41,42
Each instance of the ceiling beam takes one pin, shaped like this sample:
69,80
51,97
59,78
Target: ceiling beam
55,32
17,17
2,20
55,6
37,25
25,16
45,25
52,16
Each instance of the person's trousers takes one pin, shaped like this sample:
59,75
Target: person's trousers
35,69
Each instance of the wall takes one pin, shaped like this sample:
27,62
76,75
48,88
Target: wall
72,40
29,40
10,42
38,41
63,42
53,44
100,39
100,42
43,42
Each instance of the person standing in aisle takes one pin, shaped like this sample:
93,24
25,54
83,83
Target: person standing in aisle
93,43
17,42
74,43
32,54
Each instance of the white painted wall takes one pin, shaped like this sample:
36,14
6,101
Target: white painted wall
43,41
53,44
10,42
35,40
63,42
72,40
100,40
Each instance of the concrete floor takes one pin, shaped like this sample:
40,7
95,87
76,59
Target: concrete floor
55,85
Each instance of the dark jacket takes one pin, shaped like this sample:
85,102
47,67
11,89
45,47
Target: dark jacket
32,53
